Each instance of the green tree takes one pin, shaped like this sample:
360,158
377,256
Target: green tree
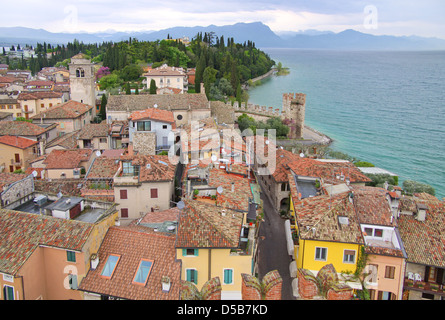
153,86
103,104
411,187
127,88
245,122
200,67
132,72
209,78
109,81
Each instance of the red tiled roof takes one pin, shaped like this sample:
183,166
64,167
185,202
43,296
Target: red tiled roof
203,225
153,114
91,130
238,199
171,214
103,167
17,142
7,178
40,83
317,217
327,170
23,128
39,95
424,241
67,159
152,167
68,110
17,244
132,246
372,206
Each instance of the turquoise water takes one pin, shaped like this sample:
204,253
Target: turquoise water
387,108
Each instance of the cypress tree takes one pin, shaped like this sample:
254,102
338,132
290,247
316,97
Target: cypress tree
200,67
103,104
153,86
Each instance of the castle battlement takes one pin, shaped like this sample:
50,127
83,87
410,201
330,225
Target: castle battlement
292,111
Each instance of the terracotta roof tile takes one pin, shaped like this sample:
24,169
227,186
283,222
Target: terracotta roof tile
7,178
203,225
18,243
68,110
153,114
152,167
67,159
23,128
39,95
170,102
17,142
92,130
103,167
132,246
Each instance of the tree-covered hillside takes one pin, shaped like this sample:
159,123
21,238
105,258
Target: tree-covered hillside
221,64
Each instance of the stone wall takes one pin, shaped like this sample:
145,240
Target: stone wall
17,193
292,112
144,143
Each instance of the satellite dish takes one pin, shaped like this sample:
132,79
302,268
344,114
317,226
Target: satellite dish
34,173
267,141
302,155
219,189
214,158
180,205
59,195
98,153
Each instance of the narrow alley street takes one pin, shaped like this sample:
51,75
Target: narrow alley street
273,253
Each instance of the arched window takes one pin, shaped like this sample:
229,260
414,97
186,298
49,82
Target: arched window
80,73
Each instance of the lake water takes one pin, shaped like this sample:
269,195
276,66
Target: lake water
387,107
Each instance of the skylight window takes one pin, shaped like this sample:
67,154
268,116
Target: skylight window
143,272
110,266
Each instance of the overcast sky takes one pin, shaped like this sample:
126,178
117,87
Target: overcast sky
391,17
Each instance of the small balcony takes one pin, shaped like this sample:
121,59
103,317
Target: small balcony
27,110
163,147
16,162
424,287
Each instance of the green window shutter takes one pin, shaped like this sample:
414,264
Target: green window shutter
184,252
8,293
71,256
196,252
195,276
227,276
192,276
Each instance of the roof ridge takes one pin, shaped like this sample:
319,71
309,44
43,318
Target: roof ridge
126,229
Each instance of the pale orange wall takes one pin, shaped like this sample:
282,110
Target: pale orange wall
33,273
46,271
8,152
384,284
16,284
56,271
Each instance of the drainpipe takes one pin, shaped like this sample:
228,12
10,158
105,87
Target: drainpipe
210,264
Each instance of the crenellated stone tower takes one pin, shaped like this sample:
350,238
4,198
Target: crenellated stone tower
82,81
293,110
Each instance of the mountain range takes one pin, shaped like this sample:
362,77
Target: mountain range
257,32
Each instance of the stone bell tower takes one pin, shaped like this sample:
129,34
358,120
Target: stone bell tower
82,81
